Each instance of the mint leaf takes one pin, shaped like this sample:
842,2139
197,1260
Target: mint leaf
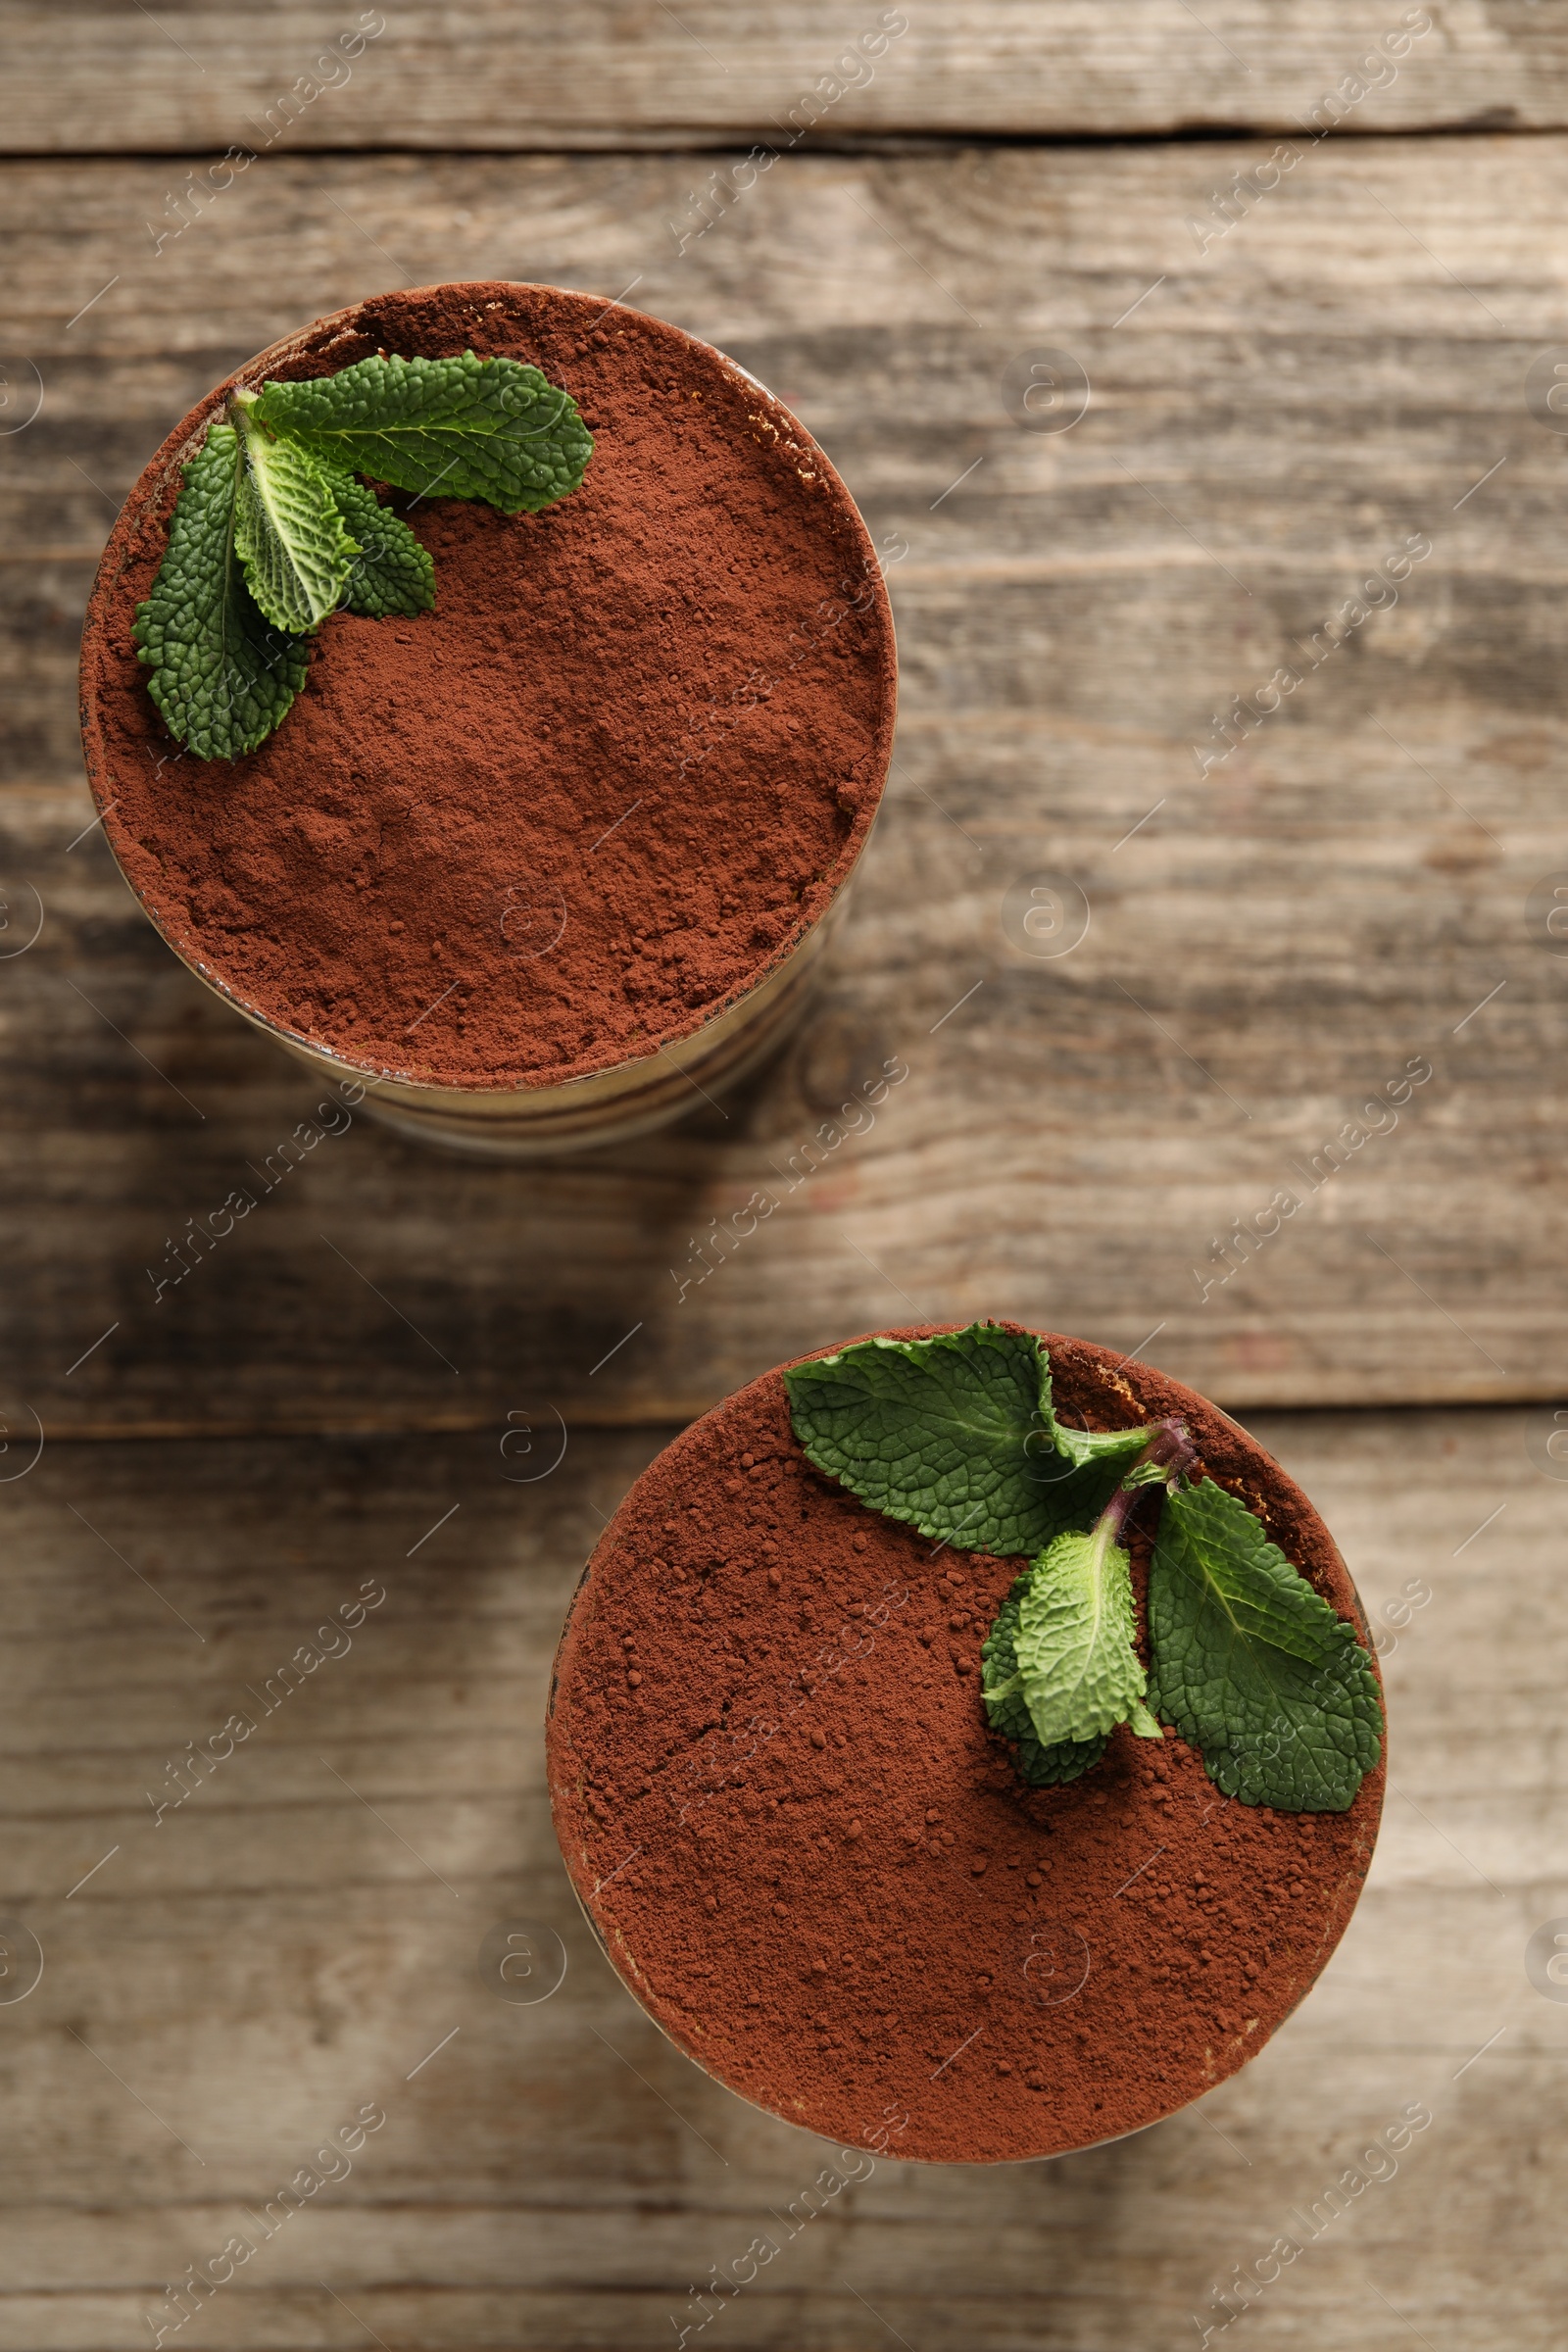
1007,1710
223,676
288,533
1251,1666
271,532
953,1435
392,571
462,428
1078,1670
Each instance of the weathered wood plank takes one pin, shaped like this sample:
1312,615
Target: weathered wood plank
272,1954
608,74
1270,944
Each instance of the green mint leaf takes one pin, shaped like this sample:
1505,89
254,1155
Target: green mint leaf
462,428
392,571
1251,1666
952,1435
221,674
288,533
1007,1711
1078,1671
1156,1473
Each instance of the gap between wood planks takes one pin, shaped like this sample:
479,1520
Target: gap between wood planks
672,1416
695,139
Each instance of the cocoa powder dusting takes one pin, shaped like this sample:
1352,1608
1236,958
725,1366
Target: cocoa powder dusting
840,1898
470,855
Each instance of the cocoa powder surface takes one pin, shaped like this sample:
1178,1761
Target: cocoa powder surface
470,855
813,1864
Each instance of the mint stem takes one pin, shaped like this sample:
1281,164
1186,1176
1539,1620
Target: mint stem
1170,1450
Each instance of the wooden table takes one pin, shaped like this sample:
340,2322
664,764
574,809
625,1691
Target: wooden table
1305,350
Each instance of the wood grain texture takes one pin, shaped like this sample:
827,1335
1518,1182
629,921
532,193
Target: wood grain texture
629,73
1269,945
233,1980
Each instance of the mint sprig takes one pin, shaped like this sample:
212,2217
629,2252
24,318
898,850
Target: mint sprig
957,1435
271,532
